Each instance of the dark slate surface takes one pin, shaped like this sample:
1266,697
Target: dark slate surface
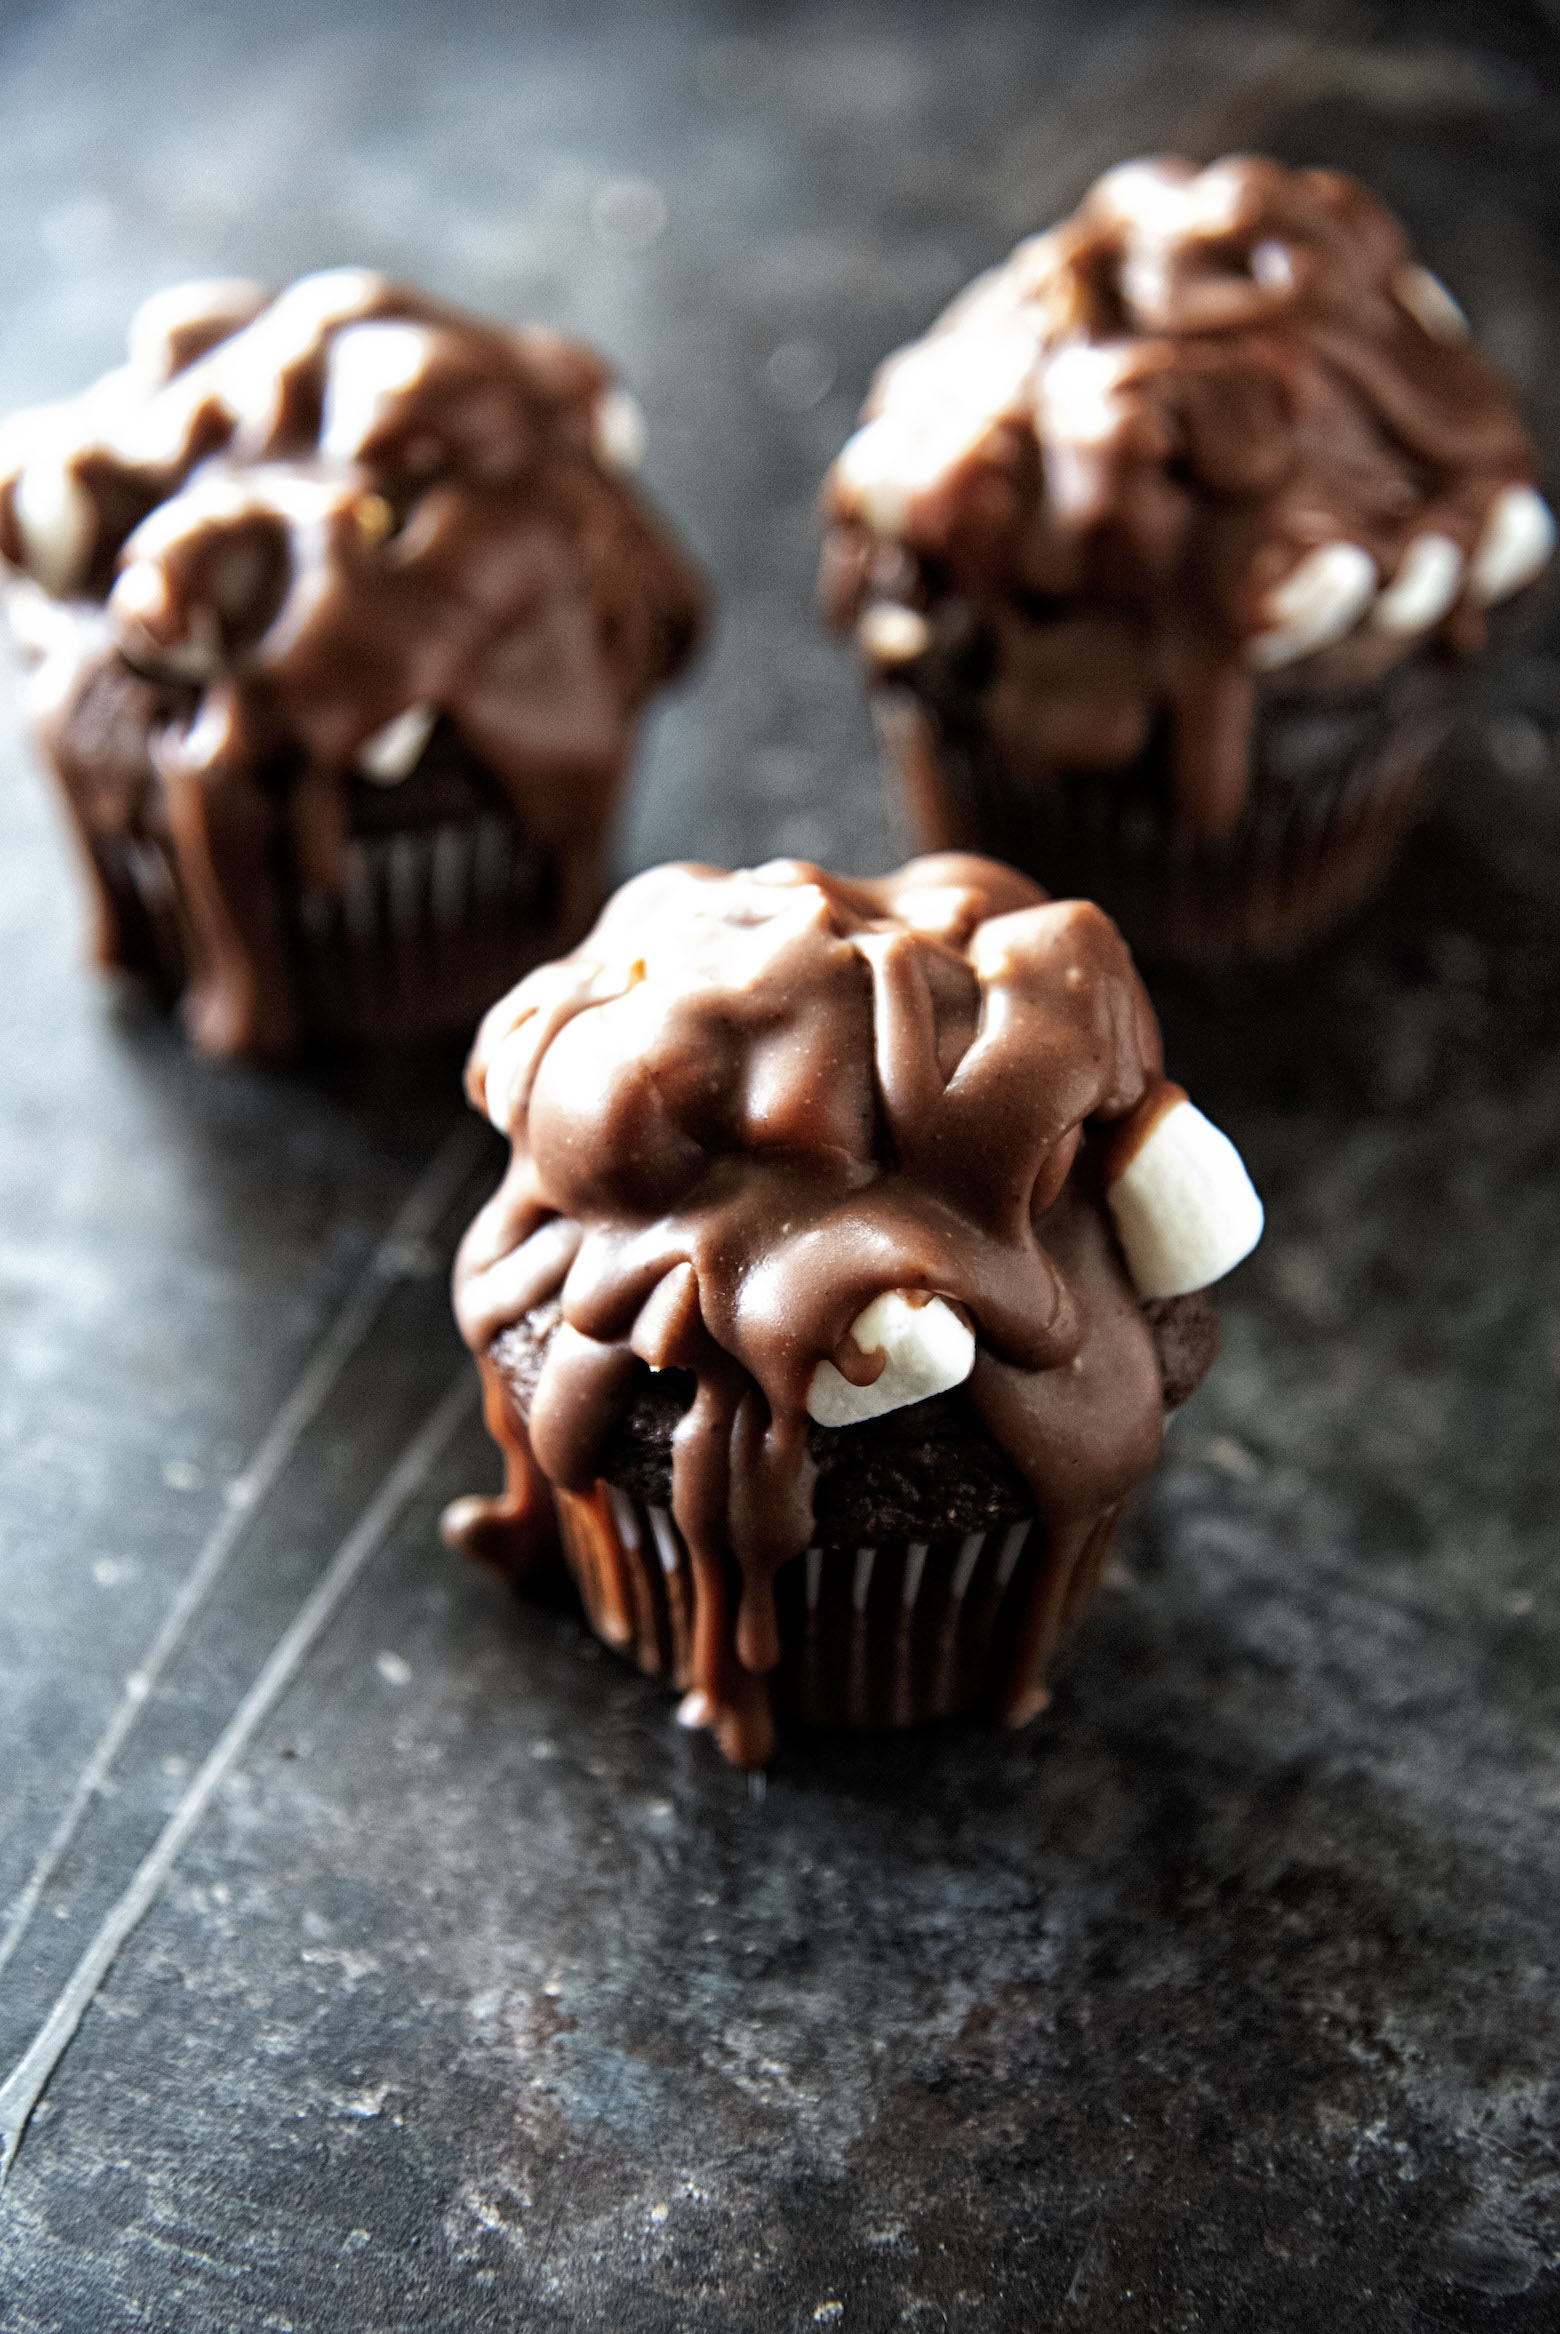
480,1997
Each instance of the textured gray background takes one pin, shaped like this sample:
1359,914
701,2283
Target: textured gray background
1226,1997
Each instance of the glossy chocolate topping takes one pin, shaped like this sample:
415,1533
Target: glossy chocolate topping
749,1104
1216,424
292,535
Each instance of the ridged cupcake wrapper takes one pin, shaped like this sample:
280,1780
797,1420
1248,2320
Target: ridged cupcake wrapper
1337,782
429,927
139,878
870,1637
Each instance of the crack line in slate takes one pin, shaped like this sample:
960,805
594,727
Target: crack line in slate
392,1259
25,2084
555,2221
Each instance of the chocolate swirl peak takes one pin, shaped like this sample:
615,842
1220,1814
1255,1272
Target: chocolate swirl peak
315,527
1218,423
750,1106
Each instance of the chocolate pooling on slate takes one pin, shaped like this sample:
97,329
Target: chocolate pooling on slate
287,540
1216,424
748,1104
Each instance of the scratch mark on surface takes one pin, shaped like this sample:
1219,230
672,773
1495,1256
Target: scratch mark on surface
393,1258
24,2086
1090,2262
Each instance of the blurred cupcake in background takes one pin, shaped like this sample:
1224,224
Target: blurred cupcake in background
849,1258
1167,548
341,616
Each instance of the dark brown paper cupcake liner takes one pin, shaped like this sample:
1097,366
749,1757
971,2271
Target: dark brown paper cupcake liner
871,1638
428,928
1337,781
137,873
430,925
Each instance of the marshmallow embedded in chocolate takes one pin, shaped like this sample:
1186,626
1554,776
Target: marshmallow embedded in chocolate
324,527
393,753
1514,545
1428,580
56,522
1217,425
829,1149
1321,598
906,1345
1185,1210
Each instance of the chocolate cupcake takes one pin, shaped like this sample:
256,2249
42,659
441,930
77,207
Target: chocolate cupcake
342,616
1167,547
844,1271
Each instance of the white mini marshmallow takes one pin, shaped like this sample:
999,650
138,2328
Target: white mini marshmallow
876,466
140,595
393,753
1078,393
1518,537
927,1349
368,364
891,635
618,430
1316,604
233,300
1429,303
1428,580
57,521
939,400
1273,266
48,638
1184,1207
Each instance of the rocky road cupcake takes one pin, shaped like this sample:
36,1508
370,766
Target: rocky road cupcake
1165,548
341,616
842,1276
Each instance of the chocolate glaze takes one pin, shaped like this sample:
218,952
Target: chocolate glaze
746,1105
926,1468
1171,400
298,531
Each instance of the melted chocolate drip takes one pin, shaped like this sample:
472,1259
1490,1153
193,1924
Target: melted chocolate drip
1191,384
747,1105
